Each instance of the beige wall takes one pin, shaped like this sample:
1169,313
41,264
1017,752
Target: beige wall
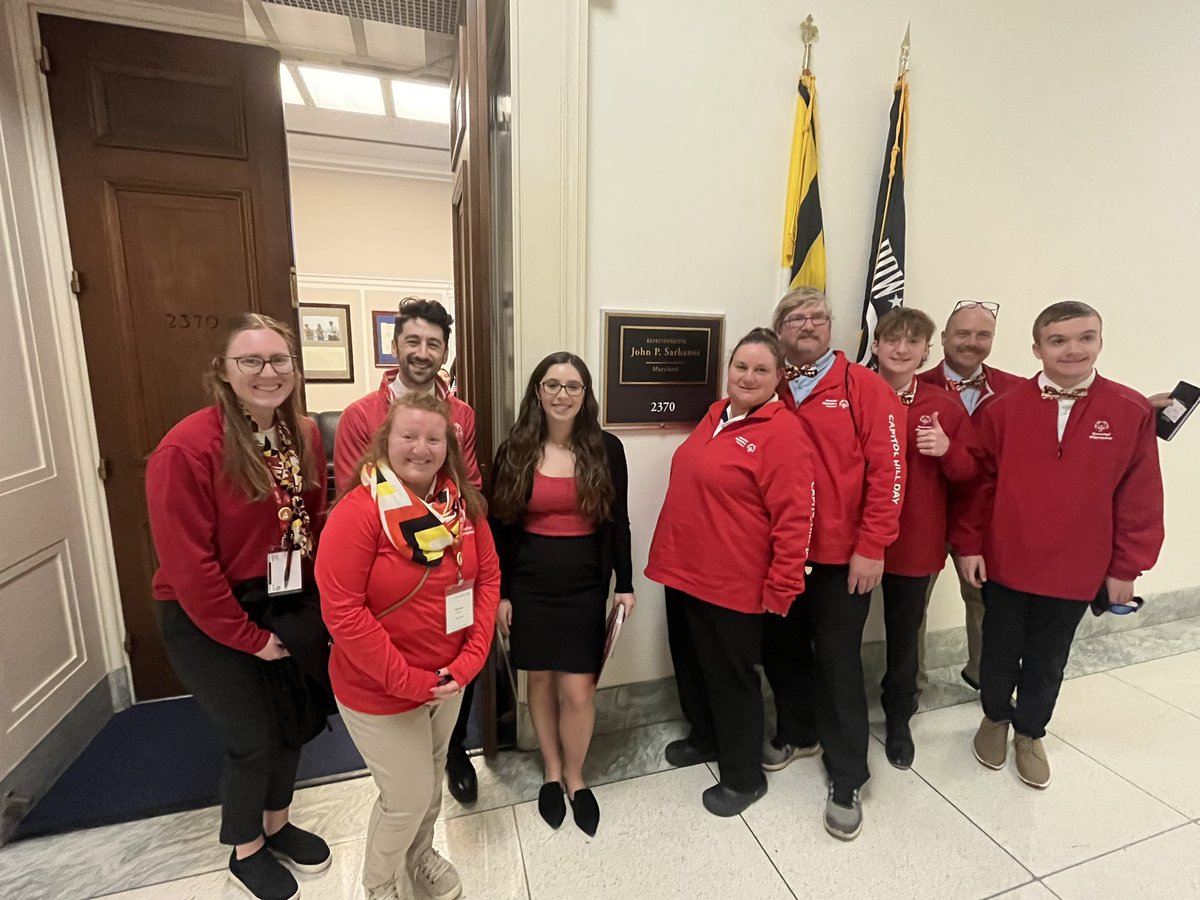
1050,157
386,236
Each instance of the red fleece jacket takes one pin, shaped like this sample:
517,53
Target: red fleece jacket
735,524
1056,517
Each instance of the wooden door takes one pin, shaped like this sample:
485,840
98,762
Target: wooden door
173,162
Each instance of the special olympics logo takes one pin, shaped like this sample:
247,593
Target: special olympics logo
1101,426
844,404
926,420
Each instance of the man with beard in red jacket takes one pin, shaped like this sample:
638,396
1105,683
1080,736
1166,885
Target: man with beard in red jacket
420,344
856,425
1069,508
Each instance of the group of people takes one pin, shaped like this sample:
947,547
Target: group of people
813,482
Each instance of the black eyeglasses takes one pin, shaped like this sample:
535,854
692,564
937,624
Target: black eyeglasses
990,306
797,320
553,388
281,363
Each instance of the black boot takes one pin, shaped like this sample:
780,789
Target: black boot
899,744
460,776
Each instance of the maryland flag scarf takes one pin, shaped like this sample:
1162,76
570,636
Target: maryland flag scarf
423,529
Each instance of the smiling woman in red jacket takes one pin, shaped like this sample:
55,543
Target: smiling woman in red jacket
228,486
409,585
730,544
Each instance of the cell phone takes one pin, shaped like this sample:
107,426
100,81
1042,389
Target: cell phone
1170,419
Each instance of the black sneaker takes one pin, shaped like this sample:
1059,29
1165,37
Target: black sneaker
262,876
899,744
300,849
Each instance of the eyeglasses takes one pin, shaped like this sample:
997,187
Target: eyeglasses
795,321
989,305
554,388
281,363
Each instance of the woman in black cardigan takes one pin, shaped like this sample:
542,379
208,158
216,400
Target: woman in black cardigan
560,514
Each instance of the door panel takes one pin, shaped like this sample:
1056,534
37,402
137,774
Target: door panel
173,162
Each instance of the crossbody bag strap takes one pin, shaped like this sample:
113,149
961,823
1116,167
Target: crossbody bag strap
399,603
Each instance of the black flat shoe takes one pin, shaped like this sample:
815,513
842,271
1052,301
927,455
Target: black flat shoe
725,802
551,805
970,682
461,777
587,811
899,744
683,753
300,849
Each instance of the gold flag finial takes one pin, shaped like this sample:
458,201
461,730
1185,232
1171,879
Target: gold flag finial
905,47
809,34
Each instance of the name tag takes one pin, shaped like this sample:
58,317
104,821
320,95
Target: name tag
460,606
284,572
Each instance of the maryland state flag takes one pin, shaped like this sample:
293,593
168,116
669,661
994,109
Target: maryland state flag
803,232
885,268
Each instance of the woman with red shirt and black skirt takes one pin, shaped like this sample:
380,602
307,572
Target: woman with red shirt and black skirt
409,583
730,544
560,512
233,489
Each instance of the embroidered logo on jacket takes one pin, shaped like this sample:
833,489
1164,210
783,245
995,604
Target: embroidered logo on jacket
926,421
830,403
749,446
1100,431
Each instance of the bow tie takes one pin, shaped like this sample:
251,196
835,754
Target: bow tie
906,397
979,381
791,373
1050,392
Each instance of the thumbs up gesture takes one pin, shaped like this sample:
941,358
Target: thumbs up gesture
931,440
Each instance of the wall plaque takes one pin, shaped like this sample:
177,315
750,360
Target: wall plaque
661,368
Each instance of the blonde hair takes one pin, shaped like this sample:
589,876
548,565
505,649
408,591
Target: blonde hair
800,298
244,464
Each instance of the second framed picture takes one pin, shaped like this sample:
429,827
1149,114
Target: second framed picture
326,347
383,330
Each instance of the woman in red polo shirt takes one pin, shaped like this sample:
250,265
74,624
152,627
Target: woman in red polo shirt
730,544
409,585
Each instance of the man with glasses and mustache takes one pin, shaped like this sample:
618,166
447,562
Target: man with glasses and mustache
966,344
856,425
421,345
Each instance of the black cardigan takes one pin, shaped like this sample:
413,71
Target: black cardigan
616,553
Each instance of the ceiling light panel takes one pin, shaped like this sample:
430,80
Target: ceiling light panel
346,91
423,102
428,15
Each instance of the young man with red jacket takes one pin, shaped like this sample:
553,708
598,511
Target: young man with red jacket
1070,505
966,345
420,344
856,426
939,456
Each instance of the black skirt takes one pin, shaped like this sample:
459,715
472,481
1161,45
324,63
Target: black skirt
558,602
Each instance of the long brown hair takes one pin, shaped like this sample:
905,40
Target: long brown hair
453,467
244,464
512,478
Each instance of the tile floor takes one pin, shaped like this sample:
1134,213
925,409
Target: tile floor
1121,819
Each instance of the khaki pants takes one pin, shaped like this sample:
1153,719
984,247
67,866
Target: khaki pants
406,754
973,601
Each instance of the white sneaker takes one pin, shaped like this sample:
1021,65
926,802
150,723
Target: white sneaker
437,876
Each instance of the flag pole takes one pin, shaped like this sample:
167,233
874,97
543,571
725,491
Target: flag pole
808,34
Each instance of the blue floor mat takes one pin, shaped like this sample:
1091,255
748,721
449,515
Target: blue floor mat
162,757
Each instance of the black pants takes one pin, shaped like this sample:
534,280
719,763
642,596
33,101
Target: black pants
260,769
714,651
458,737
813,660
903,610
1026,641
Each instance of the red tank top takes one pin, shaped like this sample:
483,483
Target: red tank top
553,508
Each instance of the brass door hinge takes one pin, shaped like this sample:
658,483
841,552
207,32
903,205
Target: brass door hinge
76,282
44,60
102,469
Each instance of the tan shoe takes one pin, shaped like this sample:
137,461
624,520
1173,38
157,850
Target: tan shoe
1032,765
991,743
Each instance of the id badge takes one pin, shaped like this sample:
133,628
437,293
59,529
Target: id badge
284,573
460,606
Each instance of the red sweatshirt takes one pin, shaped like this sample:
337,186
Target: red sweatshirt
385,667
921,547
858,442
735,524
362,418
1056,517
998,382
208,535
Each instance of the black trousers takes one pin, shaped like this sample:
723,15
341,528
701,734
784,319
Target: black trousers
903,611
260,769
1026,642
458,737
813,660
714,651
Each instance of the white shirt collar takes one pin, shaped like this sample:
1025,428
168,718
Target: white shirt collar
951,375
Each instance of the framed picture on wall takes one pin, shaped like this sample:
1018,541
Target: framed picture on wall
326,348
383,328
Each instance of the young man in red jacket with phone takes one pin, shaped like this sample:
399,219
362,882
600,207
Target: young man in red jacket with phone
1070,504
856,426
